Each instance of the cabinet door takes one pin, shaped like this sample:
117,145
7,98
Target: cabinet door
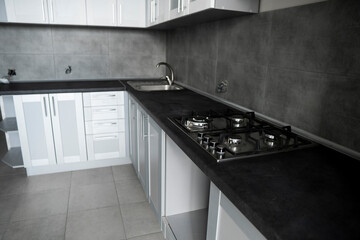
178,8
199,5
35,130
27,11
133,132
155,166
131,13
143,149
67,12
101,12
68,127
106,146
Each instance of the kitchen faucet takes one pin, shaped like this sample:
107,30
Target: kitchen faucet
171,78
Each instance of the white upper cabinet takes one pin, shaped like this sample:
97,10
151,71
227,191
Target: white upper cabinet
158,11
67,12
198,5
131,13
101,12
178,8
27,11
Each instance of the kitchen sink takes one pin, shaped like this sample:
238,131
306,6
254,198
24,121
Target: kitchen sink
149,86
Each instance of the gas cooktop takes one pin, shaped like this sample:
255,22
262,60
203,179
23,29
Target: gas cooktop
232,134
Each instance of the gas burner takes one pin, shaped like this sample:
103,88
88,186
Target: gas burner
198,122
238,121
233,140
270,140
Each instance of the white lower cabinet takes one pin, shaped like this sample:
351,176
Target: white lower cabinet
225,221
133,153
106,146
51,128
143,149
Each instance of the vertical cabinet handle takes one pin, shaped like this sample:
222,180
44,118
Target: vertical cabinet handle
183,5
43,9
52,11
44,99
113,6
179,6
120,14
53,101
144,133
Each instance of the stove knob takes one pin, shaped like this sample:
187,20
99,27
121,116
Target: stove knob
207,139
213,144
200,135
220,149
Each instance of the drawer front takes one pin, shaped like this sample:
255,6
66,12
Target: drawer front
103,98
105,126
105,146
103,113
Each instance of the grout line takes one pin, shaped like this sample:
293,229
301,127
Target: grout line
117,196
68,205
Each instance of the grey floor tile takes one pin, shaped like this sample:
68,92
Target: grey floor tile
130,191
153,236
8,205
12,184
6,170
123,172
49,228
92,176
139,219
42,204
102,223
92,196
48,182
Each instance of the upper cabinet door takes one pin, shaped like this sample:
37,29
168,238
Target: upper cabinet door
27,11
131,13
67,12
68,127
178,8
199,5
101,12
35,130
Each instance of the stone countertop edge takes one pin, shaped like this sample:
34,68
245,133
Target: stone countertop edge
301,194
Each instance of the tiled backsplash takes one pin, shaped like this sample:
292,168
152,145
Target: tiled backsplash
299,65
40,52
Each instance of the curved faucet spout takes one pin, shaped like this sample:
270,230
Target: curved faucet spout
171,78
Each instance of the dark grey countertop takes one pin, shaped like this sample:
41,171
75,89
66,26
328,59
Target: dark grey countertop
60,87
303,194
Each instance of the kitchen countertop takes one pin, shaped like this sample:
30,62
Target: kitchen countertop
60,87
303,194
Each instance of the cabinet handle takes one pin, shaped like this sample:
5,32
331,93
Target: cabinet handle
104,95
43,9
183,7
53,101
113,6
106,110
179,6
106,137
143,127
106,124
44,99
120,15
52,11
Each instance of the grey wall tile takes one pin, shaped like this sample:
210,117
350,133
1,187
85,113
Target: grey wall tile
124,65
201,74
80,40
180,66
25,39
203,41
177,42
28,66
92,67
245,39
246,83
137,42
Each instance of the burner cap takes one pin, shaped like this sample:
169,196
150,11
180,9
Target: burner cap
234,139
269,136
200,119
237,118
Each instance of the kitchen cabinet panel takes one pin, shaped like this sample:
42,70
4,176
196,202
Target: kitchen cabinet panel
35,129
67,12
143,149
27,11
225,221
68,127
131,13
158,11
133,133
178,8
106,146
101,12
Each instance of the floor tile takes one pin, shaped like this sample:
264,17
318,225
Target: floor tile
92,176
49,228
8,205
42,204
130,191
92,196
102,223
139,219
153,236
48,182
6,170
12,184
123,172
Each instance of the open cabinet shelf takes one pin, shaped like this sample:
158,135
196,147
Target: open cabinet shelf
13,158
8,124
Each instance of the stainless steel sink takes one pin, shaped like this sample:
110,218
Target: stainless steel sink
149,86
